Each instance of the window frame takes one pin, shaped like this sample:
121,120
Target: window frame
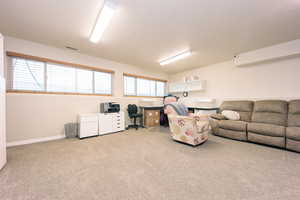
136,77
47,61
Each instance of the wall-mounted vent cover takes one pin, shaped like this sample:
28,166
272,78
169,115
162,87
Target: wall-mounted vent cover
279,51
72,48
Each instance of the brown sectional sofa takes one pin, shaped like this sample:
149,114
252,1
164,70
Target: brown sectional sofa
270,122
293,129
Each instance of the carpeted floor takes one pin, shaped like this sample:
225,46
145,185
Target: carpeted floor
147,164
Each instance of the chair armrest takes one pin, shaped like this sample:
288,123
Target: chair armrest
181,117
181,121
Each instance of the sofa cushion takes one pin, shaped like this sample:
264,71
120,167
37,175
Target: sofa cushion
236,135
294,106
269,118
244,108
294,113
231,115
270,112
294,120
293,133
266,129
293,145
233,125
268,140
271,106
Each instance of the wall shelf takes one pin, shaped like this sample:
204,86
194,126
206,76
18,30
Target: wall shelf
189,86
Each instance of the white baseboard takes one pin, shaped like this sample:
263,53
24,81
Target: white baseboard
35,140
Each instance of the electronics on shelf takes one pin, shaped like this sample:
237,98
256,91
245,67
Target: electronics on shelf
109,107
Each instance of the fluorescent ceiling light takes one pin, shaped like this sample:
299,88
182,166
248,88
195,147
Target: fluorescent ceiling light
103,20
175,58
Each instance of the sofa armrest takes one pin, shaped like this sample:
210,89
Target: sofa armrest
214,125
218,116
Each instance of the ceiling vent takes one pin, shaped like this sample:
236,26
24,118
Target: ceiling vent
72,48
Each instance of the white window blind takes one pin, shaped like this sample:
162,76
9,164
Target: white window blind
84,81
24,74
143,87
160,88
60,78
129,85
152,88
102,83
27,75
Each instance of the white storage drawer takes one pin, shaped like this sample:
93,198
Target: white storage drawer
111,122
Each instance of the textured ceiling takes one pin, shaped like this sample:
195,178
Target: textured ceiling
145,31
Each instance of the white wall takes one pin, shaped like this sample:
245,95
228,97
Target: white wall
1,55
269,80
31,116
2,109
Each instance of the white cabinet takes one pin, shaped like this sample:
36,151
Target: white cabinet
111,122
88,125
100,123
105,123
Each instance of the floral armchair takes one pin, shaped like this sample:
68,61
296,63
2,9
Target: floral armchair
192,129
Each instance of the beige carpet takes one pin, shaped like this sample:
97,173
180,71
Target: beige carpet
147,164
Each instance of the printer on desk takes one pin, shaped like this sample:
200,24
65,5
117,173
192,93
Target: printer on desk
109,107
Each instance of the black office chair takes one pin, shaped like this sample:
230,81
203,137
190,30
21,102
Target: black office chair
133,113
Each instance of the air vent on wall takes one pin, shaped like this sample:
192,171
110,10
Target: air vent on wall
72,48
279,51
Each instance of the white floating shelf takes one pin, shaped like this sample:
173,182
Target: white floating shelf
190,86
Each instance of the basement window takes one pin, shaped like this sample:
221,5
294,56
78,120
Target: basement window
141,86
31,76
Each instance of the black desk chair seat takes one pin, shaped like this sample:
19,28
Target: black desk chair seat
133,114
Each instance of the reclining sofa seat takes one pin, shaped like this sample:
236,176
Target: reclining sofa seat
293,129
268,124
235,129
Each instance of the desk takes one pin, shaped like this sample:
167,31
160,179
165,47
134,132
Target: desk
151,115
211,110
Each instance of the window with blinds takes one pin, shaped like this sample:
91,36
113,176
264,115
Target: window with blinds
30,75
129,85
102,83
160,88
135,86
27,75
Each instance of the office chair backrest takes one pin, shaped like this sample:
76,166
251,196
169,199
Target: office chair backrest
132,109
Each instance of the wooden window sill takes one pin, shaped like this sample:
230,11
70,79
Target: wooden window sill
141,96
54,93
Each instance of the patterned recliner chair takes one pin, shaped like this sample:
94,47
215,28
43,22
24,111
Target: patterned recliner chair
187,128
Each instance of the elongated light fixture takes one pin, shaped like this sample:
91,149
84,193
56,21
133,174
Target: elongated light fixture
175,58
103,19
